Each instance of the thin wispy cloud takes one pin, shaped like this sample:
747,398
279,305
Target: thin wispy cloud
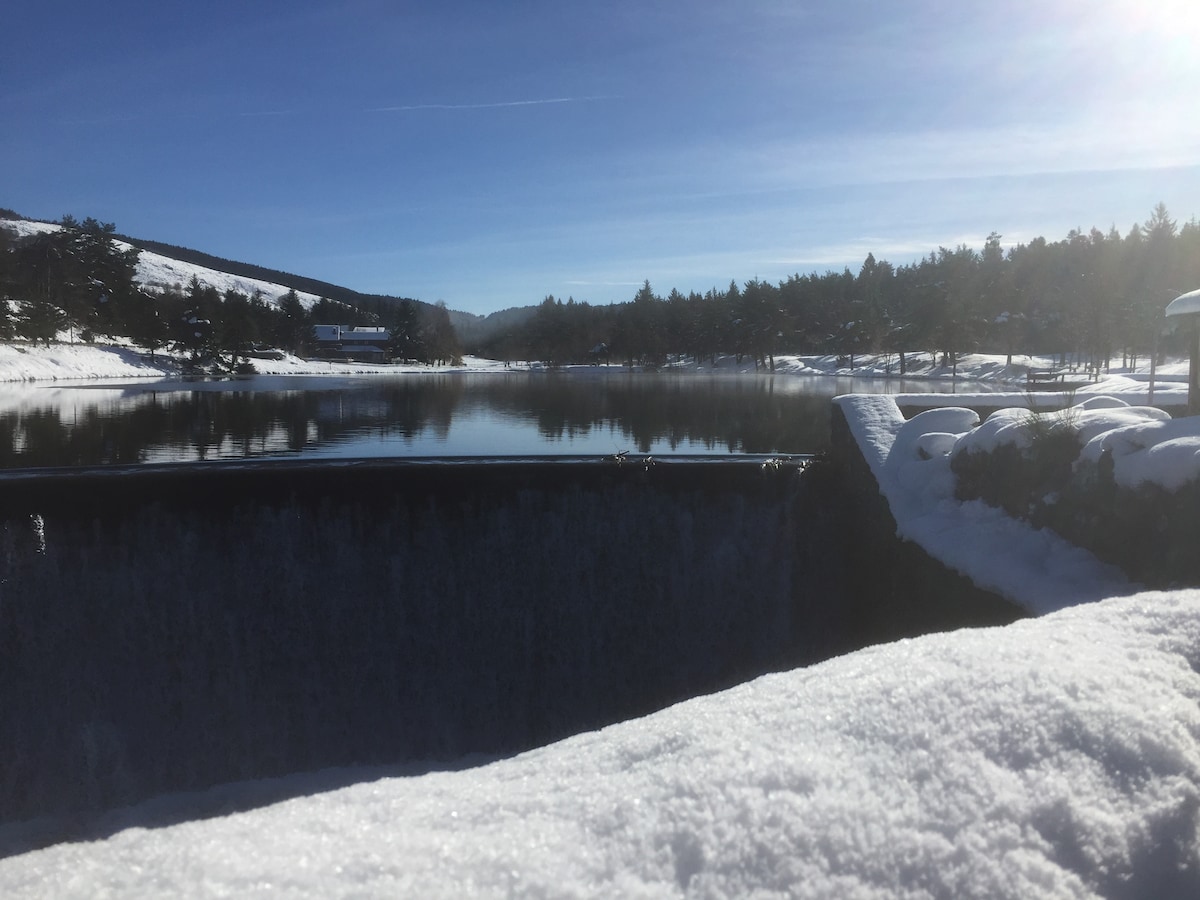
548,101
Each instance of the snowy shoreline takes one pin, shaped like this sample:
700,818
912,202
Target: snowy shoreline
67,361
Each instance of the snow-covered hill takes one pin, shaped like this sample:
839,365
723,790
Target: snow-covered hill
156,272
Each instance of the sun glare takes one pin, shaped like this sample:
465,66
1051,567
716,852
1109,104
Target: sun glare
1172,18
1137,71
1166,31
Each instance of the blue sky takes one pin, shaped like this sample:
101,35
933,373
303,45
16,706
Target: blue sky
488,154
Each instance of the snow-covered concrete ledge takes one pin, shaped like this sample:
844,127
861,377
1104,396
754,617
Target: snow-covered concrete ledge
1035,569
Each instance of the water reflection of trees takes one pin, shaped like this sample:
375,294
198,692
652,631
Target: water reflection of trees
207,424
743,415
751,415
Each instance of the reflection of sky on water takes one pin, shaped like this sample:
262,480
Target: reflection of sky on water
477,435
450,415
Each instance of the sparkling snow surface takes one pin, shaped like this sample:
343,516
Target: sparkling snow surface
1055,757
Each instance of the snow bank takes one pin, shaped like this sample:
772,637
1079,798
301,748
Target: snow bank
1036,569
78,362
1054,757
27,362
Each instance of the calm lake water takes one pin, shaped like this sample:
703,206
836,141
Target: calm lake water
434,415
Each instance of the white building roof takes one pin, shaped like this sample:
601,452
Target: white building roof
1184,304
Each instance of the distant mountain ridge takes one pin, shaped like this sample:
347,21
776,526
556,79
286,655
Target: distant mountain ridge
468,325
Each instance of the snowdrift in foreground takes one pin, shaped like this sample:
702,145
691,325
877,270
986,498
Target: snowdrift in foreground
1054,757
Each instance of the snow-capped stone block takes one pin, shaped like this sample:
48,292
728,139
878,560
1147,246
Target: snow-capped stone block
947,420
935,444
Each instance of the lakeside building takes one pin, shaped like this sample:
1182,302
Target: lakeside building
364,343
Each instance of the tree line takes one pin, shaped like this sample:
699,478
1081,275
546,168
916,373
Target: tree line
78,280
1094,295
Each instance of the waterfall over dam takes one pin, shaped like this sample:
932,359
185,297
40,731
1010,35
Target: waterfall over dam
169,628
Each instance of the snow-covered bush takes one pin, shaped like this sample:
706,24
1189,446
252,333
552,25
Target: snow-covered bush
1016,460
1120,480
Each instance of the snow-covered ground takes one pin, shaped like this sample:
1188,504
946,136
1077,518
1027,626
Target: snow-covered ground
75,362
22,361
1056,757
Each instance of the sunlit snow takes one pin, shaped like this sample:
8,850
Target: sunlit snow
159,272
1160,451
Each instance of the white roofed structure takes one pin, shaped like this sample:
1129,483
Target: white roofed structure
1185,304
1189,305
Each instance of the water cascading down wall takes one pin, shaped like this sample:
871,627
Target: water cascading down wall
168,629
